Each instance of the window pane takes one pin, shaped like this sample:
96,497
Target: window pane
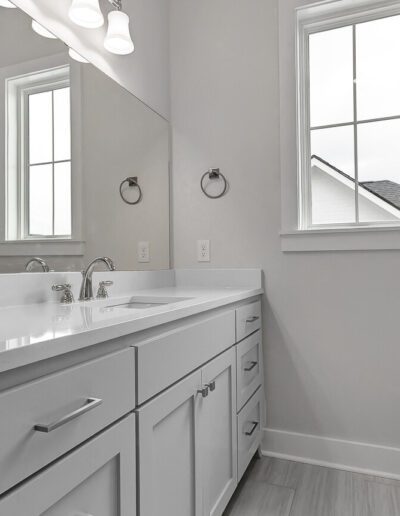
62,124
62,198
379,171
331,77
332,176
378,73
40,200
336,146
40,128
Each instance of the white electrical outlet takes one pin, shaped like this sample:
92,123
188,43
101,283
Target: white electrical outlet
143,252
203,250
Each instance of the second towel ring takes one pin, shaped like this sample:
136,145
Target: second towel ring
132,183
214,173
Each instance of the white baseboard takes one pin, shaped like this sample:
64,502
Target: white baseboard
371,459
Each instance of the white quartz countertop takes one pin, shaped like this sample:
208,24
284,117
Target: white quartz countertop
29,333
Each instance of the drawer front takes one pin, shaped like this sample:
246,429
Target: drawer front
248,319
167,358
96,479
249,367
38,423
249,431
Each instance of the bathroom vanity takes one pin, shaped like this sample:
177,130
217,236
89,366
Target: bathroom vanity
120,410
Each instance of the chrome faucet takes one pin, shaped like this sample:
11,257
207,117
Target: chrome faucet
86,293
36,260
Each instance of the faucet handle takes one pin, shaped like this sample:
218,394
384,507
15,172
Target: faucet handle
68,297
102,291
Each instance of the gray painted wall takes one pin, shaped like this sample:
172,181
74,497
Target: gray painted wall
330,322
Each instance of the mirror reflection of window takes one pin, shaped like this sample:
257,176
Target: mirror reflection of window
42,143
355,123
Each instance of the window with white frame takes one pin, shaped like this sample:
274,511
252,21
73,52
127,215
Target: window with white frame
38,168
349,121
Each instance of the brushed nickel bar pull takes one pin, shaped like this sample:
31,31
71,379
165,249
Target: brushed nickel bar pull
253,365
253,318
90,404
255,425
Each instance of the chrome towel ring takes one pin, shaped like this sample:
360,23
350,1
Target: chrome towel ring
132,183
214,174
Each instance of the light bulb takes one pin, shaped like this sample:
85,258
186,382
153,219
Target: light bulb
72,53
6,3
39,29
118,39
86,13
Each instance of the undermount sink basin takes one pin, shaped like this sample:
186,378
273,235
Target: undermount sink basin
141,303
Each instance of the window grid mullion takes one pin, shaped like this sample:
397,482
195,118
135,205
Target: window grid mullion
359,122
357,207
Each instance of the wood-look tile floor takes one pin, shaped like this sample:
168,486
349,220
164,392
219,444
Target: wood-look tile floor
275,487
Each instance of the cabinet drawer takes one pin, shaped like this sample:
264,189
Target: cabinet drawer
249,367
248,320
27,410
167,358
249,431
98,479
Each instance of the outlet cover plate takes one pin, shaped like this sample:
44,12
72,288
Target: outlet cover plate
203,250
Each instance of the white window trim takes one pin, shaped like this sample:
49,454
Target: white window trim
42,81
297,17
74,246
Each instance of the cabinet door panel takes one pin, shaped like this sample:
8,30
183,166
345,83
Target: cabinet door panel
218,433
95,479
169,480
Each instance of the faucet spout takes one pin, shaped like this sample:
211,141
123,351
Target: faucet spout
86,293
37,261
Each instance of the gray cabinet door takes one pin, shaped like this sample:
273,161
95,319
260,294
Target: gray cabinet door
218,433
169,470
97,479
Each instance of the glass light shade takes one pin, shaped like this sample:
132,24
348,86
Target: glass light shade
6,3
39,29
86,13
77,57
118,39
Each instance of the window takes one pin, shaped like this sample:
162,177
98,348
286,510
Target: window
349,121
39,156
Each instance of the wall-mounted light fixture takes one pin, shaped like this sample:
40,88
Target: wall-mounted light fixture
87,14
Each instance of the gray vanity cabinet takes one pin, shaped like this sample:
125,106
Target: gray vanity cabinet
97,479
172,416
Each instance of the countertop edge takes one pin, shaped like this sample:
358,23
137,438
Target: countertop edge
24,356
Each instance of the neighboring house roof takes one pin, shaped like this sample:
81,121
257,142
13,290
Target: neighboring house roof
386,190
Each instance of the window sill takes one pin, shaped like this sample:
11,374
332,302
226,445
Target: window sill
346,239
42,248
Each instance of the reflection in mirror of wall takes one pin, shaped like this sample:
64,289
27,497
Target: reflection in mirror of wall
69,136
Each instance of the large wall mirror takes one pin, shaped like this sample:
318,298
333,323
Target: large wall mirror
69,137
